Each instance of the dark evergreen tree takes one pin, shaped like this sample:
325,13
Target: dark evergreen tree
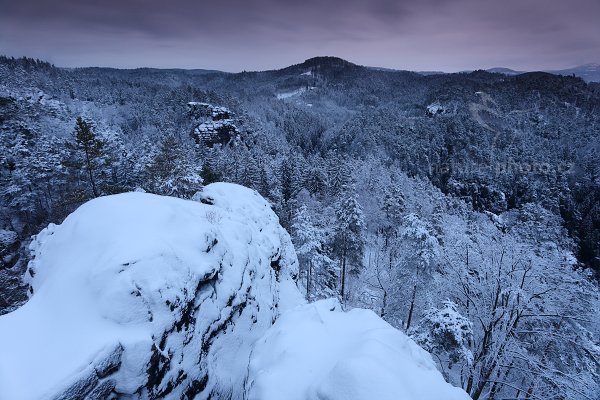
92,149
209,175
172,172
348,240
319,271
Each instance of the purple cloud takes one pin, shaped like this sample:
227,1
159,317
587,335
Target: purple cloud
234,35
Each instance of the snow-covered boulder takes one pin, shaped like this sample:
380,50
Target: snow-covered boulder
149,296
140,296
318,352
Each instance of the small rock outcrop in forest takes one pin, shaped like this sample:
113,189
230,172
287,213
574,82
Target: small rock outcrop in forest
212,124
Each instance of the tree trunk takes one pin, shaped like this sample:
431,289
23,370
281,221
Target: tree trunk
469,386
343,273
384,305
412,307
308,276
89,169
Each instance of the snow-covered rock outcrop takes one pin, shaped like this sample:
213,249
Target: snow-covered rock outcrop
318,352
12,267
212,124
141,296
150,296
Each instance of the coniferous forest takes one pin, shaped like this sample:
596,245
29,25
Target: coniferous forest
463,209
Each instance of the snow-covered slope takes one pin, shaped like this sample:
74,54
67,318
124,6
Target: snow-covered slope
142,296
148,295
318,352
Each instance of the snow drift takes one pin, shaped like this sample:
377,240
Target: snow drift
317,352
142,296
151,296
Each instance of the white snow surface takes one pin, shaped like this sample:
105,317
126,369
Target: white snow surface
287,95
122,268
318,352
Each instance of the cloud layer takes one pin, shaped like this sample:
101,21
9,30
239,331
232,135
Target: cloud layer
234,35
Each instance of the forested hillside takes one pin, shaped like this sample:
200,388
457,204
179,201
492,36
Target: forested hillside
464,209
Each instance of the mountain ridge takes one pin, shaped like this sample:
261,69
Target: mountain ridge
590,72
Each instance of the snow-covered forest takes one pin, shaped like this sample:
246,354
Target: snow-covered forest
463,209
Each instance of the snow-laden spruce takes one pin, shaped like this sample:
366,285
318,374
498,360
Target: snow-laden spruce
145,296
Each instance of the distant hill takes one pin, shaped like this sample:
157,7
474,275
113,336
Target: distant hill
505,71
587,72
321,64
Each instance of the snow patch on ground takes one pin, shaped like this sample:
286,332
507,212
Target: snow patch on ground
293,93
318,352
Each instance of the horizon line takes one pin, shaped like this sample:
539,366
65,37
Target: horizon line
431,71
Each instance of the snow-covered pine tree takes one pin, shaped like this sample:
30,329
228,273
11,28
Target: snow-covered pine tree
90,149
172,172
348,240
318,269
446,333
421,252
393,208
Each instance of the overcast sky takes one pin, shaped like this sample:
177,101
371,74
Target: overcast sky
236,35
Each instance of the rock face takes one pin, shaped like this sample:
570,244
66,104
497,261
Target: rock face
212,124
144,296
13,291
